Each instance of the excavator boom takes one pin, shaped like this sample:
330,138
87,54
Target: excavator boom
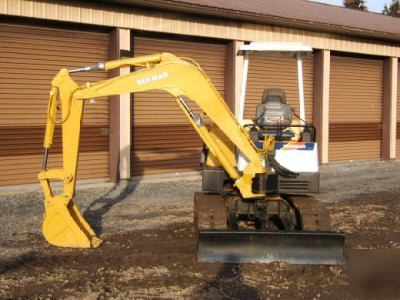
184,81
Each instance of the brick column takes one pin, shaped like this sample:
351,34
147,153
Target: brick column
120,113
389,108
322,65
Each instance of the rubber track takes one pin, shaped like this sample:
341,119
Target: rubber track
314,215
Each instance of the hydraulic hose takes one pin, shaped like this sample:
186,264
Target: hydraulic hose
279,169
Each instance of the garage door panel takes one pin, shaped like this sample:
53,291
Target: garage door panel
398,146
357,150
278,71
50,34
398,114
30,43
29,140
398,137
52,54
168,137
155,107
31,58
163,141
355,115
87,160
355,132
150,162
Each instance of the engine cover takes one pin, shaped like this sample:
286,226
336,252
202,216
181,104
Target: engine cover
298,157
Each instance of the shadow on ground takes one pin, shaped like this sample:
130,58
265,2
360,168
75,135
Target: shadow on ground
96,210
229,282
17,262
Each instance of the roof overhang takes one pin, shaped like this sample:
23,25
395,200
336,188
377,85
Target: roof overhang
180,7
276,47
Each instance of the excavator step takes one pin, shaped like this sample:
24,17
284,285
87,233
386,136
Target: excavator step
311,248
314,245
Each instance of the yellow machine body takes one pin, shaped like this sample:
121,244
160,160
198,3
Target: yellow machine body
63,224
224,143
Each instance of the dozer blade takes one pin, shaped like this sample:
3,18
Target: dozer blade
314,248
64,226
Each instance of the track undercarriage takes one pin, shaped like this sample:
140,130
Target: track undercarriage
277,228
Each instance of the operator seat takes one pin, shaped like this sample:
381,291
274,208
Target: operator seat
273,115
273,109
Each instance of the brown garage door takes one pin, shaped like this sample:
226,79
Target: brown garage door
355,108
278,71
163,139
29,58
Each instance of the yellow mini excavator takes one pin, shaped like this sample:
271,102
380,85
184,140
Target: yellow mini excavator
240,216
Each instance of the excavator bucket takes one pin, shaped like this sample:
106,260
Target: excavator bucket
64,225
311,248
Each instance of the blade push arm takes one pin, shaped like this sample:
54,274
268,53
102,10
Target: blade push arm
180,78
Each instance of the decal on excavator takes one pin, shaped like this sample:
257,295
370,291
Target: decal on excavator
152,78
294,146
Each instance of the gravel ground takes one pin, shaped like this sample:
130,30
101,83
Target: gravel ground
149,248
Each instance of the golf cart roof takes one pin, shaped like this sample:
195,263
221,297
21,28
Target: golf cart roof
276,47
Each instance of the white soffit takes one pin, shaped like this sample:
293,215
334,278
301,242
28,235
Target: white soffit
276,47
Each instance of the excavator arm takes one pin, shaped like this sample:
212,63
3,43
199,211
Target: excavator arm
184,80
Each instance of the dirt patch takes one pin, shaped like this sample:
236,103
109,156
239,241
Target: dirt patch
369,220
161,263
149,249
